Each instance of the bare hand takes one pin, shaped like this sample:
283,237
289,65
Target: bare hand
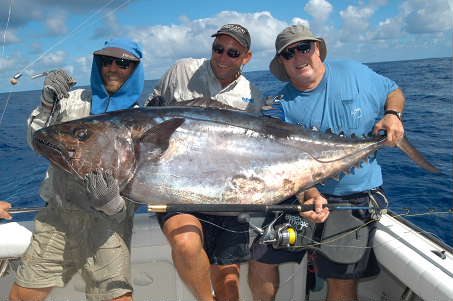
319,215
4,206
394,128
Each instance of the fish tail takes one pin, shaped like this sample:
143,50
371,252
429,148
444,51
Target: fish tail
415,155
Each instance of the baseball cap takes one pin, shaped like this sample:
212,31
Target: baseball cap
237,32
121,48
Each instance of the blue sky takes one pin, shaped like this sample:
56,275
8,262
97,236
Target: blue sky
43,35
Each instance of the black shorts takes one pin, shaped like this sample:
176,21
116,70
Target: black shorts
226,240
367,266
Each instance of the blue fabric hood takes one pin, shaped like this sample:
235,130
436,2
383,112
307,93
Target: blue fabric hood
127,96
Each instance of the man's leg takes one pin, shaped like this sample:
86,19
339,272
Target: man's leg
19,293
225,279
185,234
264,280
341,289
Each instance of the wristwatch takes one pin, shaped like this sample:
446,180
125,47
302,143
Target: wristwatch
396,113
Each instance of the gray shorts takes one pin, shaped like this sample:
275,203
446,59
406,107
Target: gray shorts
367,266
68,241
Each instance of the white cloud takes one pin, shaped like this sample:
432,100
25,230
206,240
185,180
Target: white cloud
422,16
299,21
164,44
84,63
54,59
320,10
56,23
356,23
389,29
9,37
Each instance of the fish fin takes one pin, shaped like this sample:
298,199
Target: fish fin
204,102
415,155
336,177
156,140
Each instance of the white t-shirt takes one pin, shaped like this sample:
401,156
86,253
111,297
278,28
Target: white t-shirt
191,78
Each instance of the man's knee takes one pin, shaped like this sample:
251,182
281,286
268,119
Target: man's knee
184,232
19,293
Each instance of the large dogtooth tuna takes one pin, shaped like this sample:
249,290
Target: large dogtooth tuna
204,155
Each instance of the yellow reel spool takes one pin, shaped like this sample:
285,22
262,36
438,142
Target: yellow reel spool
292,236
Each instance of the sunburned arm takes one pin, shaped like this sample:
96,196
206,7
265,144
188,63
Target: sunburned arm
391,123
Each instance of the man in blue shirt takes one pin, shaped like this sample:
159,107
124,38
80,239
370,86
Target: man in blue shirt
345,97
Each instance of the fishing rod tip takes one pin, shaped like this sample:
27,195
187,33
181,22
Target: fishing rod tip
14,79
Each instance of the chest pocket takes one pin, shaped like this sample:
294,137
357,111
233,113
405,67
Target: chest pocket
350,112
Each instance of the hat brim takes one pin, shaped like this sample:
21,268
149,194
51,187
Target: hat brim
244,44
278,70
118,53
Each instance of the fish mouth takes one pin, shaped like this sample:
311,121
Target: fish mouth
55,153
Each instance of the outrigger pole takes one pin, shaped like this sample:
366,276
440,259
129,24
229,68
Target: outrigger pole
161,208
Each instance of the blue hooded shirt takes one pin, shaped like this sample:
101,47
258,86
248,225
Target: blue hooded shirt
127,96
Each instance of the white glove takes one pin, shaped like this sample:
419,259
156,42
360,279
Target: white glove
104,192
56,86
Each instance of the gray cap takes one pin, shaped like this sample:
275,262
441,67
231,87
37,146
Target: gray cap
118,53
237,32
288,36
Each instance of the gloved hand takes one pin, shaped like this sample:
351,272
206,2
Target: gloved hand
104,192
56,86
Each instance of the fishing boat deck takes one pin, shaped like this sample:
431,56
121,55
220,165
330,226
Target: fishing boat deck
410,269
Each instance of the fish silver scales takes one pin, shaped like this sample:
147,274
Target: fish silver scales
201,155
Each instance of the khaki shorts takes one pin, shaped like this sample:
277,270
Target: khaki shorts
68,241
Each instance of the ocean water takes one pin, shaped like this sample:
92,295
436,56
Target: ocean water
412,191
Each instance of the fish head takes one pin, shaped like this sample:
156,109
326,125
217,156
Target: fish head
85,145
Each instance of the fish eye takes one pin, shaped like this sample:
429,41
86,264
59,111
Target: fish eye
81,134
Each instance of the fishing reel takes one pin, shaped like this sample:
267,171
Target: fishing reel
285,231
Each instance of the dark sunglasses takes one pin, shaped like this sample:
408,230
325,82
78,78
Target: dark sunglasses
232,53
303,47
121,63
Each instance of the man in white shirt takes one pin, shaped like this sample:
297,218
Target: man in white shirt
208,249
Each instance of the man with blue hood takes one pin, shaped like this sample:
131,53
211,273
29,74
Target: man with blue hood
86,225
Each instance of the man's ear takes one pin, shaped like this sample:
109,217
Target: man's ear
247,58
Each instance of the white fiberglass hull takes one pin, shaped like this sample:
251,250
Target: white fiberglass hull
409,266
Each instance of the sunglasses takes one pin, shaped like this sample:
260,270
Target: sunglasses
302,47
121,63
232,53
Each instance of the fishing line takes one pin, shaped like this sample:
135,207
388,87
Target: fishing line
6,27
87,21
6,105
3,52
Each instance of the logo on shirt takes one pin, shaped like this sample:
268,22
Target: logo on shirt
356,113
245,99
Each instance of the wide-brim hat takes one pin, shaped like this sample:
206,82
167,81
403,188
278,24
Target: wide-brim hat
121,48
237,32
287,37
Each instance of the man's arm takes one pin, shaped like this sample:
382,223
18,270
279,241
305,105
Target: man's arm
391,123
56,87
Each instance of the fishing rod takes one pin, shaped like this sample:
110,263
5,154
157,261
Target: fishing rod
163,208
24,210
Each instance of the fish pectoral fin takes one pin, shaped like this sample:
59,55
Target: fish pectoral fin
156,140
